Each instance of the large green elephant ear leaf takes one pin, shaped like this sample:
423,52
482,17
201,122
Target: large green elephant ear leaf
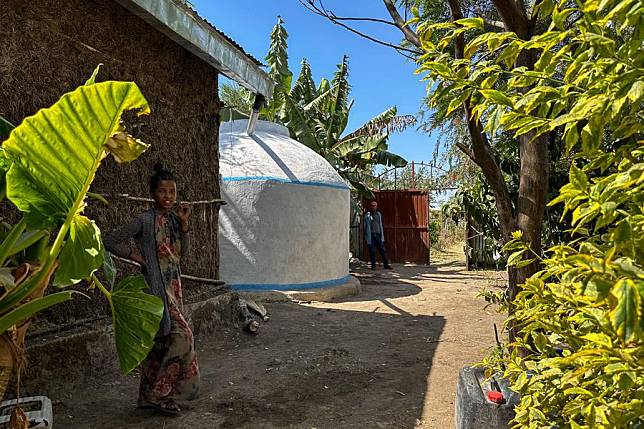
57,151
136,316
83,249
55,154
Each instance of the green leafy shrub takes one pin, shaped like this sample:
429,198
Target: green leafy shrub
578,360
578,356
434,231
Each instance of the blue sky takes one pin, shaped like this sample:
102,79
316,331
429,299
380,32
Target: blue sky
379,76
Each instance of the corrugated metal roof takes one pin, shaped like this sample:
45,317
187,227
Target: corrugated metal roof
182,24
227,37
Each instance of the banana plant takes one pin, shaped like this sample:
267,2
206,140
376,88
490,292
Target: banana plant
277,60
317,116
48,163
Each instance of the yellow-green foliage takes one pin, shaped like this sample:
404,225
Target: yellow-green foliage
578,360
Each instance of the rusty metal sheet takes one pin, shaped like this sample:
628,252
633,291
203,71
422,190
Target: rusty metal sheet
405,221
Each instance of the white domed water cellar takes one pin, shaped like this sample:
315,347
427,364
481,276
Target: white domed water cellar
285,226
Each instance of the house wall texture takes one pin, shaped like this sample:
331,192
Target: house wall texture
49,47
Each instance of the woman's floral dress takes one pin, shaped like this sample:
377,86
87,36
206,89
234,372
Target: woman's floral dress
170,371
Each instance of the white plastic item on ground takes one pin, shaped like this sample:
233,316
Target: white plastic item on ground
37,409
286,224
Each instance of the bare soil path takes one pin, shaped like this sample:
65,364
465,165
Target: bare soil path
388,358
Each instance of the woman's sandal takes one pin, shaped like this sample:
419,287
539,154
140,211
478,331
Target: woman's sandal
166,407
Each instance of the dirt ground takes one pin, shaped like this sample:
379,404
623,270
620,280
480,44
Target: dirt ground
388,358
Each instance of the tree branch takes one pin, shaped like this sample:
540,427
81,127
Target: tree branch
409,34
459,43
352,18
321,11
466,150
492,23
482,154
514,17
489,22
485,159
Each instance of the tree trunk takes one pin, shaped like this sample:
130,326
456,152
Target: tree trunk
533,191
525,214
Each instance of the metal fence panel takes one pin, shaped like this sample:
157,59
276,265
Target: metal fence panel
405,218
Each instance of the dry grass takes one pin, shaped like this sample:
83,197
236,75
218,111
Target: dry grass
452,253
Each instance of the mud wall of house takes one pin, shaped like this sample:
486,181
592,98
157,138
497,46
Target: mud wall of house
49,47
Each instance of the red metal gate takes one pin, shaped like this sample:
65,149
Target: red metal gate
405,219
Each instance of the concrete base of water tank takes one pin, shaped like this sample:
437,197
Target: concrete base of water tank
351,287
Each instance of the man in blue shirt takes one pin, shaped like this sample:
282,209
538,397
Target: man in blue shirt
375,235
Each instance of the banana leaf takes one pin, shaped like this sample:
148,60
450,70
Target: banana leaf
360,187
298,125
390,159
304,88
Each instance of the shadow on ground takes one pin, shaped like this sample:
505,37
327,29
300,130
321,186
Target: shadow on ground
308,367
388,358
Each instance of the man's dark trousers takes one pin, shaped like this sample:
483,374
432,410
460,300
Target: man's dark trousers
376,241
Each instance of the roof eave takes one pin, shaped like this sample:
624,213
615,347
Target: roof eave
197,36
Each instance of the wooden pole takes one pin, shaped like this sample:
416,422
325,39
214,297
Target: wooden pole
214,282
215,201
413,176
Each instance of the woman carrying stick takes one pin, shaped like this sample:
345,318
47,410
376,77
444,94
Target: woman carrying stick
170,370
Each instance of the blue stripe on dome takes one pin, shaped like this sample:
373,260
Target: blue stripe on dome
284,180
289,287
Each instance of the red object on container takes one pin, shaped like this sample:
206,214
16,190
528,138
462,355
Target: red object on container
495,397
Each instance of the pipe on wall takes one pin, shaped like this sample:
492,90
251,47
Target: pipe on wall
252,121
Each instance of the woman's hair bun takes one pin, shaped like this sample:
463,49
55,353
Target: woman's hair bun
160,173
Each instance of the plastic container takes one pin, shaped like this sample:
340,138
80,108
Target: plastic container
37,409
481,403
